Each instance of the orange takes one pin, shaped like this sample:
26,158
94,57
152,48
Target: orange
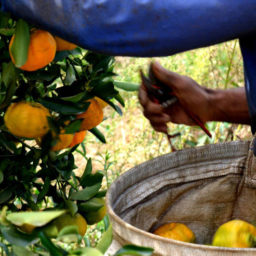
96,216
235,233
63,45
63,141
69,220
101,102
78,138
41,50
27,119
176,231
92,116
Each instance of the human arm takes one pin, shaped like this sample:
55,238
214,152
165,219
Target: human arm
140,27
207,104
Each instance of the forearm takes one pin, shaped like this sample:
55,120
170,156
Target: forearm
229,106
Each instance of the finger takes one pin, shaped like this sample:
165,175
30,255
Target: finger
142,95
165,76
158,119
159,127
153,108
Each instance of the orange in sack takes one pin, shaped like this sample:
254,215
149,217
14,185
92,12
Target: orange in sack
78,138
92,116
63,45
41,50
176,231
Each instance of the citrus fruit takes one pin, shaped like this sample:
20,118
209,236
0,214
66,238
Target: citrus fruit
235,233
101,102
69,220
27,119
92,116
63,141
27,228
41,50
176,231
96,216
78,138
63,45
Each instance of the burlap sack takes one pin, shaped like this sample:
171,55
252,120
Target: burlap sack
201,187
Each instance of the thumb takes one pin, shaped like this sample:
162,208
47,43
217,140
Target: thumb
165,76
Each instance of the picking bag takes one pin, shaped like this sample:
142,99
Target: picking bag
201,187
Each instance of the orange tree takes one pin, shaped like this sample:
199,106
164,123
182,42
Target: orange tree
51,96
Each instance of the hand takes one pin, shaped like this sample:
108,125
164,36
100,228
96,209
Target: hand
190,96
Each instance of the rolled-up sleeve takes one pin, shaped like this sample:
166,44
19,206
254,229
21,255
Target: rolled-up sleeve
140,27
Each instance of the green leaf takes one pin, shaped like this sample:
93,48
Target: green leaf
97,133
105,240
5,195
91,179
47,243
69,234
126,86
37,219
72,207
134,250
64,107
8,144
120,99
73,127
15,237
101,193
7,31
20,45
45,189
91,205
88,251
21,251
9,77
86,193
70,75
74,98
87,171
1,177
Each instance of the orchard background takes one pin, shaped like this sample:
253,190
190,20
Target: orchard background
52,198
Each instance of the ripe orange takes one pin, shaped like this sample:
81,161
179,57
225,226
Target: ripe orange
78,138
41,51
27,119
96,216
236,234
92,116
63,141
69,220
101,102
176,231
63,45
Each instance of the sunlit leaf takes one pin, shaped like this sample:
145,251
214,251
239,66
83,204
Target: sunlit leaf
105,240
37,219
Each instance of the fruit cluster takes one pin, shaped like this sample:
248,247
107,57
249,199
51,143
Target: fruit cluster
234,233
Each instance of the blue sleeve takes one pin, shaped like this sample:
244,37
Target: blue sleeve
140,27
248,48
